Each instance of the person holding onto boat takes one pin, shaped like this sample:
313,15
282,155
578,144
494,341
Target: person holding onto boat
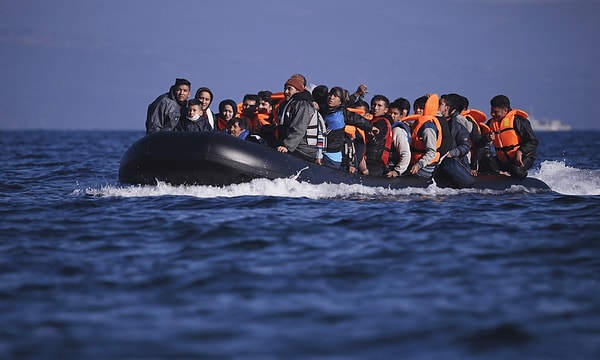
300,126
341,125
400,155
164,112
379,145
512,136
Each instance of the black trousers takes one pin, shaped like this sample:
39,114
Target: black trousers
516,170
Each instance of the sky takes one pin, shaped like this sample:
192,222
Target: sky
97,64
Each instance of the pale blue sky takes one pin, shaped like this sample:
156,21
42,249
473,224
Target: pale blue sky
98,64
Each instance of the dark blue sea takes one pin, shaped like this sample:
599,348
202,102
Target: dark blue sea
94,269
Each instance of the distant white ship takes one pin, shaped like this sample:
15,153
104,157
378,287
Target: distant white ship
548,125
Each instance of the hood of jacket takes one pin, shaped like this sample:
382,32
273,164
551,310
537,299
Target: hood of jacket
302,95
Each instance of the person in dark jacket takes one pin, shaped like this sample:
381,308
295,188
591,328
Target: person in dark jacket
164,112
514,140
379,145
320,94
299,129
461,146
455,143
194,121
264,114
339,151
249,106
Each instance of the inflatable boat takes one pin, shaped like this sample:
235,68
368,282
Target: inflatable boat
218,159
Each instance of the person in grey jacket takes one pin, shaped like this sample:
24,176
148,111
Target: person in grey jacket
164,112
299,129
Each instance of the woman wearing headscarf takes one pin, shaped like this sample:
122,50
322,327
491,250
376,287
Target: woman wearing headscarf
205,96
227,111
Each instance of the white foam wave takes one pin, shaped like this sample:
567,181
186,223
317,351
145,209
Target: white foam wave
568,180
284,188
561,178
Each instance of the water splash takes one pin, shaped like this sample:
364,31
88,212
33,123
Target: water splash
560,178
290,188
568,180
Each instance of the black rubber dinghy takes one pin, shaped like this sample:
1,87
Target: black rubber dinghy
212,158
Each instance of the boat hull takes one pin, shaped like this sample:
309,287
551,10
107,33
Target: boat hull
217,159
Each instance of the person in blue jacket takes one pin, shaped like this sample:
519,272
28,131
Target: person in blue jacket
238,127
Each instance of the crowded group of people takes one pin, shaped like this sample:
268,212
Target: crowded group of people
435,134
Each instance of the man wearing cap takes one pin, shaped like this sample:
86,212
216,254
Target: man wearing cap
164,112
299,127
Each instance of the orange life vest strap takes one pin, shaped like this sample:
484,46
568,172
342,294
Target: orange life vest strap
412,117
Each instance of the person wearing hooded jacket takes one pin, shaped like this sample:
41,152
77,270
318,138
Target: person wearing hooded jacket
338,152
461,146
164,112
205,96
227,111
299,131
456,137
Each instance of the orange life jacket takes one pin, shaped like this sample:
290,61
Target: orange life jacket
388,139
431,105
417,146
361,112
279,96
412,117
507,141
351,130
253,124
262,119
240,108
478,118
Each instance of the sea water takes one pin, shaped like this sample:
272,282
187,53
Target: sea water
94,269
